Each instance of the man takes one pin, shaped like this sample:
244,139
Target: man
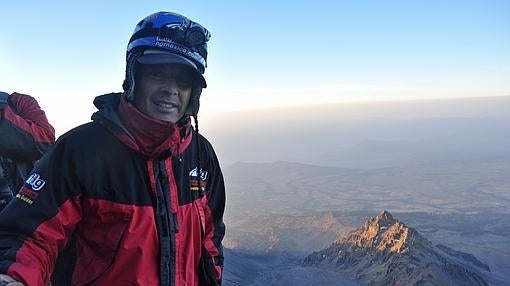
135,197
25,135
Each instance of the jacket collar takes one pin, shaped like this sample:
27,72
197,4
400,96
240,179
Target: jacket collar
150,137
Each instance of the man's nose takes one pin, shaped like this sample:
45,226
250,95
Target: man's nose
170,86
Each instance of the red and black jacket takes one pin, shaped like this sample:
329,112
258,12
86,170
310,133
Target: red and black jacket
25,134
114,211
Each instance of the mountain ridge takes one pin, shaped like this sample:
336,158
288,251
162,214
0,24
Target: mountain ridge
384,251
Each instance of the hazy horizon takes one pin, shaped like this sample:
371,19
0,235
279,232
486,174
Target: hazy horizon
297,134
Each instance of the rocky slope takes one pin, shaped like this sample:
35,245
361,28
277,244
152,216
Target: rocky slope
384,251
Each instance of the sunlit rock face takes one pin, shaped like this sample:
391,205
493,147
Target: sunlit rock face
384,251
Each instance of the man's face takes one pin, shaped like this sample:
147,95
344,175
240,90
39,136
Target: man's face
163,91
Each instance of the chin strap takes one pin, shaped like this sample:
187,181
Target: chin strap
194,102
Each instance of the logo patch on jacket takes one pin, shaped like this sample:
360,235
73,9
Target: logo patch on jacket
196,184
30,191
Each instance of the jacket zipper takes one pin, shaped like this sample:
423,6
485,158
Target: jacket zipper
166,223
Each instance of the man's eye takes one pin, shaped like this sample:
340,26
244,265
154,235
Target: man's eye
184,82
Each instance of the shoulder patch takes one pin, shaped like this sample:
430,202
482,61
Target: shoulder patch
30,191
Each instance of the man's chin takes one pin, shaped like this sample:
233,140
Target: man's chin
168,116
171,118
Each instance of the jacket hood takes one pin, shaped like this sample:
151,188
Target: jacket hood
150,137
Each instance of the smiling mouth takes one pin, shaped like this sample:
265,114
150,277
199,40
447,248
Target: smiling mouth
166,105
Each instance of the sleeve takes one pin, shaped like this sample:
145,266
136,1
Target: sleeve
214,225
25,131
37,224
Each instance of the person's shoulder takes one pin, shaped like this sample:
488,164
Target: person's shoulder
206,148
83,135
78,131
73,141
204,142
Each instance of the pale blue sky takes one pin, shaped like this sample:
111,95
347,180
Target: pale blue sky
264,53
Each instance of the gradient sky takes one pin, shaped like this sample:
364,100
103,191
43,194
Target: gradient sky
264,53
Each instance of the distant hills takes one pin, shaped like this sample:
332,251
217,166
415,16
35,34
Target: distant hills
296,236
384,251
298,189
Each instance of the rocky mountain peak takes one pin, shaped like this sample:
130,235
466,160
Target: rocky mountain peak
384,233
384,251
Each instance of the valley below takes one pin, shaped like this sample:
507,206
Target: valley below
285,211
301,186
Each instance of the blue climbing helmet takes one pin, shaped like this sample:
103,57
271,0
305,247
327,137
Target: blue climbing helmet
167,37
